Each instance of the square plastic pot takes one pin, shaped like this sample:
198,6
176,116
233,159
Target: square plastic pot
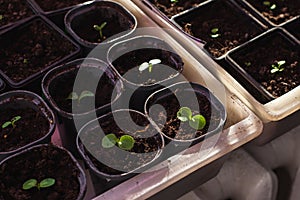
80,75
80,22
19,100
293,27
222,25
115,163
40,162
37,45
126,57
280,47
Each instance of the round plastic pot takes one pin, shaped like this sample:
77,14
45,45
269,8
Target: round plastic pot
128,122
186,94
10,41
21,99
82,74
84,17
152,48
37,149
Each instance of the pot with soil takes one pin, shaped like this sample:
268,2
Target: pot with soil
25,120
13,12
99,23
293,27
145,64
42,172
173,7
119,144
79,91
274,12
269,64
31,49
222,25
185,113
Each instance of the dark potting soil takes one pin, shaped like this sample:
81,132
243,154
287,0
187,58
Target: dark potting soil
32,126
268,52
63,85
167,120
294,27
170,9
40,163
234,26
13,10
116,22
284,10
48,5
30,50
128,65
114,160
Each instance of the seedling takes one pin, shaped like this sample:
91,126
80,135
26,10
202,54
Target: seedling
149,65
197,122
1,17
278,66
31,183
11,122
125,142
247,63
84,94
271,6
215,33
100,28
174,1
25,61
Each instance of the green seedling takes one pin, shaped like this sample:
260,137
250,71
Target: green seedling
197,122
215,33
31,183
84,94
125,142
270,5
25,61
247,64
100,28
278,66
174,1
1,17
149,65
11,122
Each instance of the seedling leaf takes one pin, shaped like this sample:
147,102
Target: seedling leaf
143,66
198,122
72,96
109,140
267,3
155,61
6,124
85,93
273,7
29,184
126,142
184,114
47,183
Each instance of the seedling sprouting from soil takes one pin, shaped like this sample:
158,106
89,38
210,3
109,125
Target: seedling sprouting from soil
278,66
197,122
125,142
25,61
31,183
149,65
100,28
1,17
271,6
11,122
174,1
214,33
84,94
247,63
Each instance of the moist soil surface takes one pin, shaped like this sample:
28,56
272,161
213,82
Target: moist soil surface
49,5
294,27
128,66
263,54
170,9
63,85
116,22
26,52
114,160
40,163
32,126
284,10
167,120
13,10
234,27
